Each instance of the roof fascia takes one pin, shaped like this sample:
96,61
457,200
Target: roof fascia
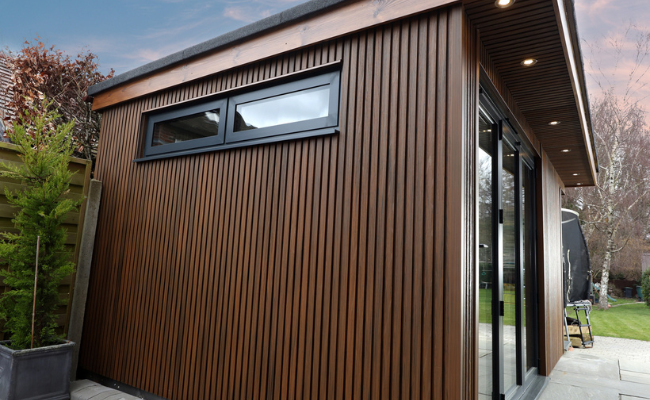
337,21
572,54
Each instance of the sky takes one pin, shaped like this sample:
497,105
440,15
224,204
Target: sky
613,33
126,34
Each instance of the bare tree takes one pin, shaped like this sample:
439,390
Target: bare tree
613,210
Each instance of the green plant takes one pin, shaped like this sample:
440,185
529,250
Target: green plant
629,321
645,286
41,207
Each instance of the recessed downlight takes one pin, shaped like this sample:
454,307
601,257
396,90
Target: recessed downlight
529,62
553,123
578,184
565,150
576,174
504,3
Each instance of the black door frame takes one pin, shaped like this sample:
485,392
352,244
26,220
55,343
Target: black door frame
503,130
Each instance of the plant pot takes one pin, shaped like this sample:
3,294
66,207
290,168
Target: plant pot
36,374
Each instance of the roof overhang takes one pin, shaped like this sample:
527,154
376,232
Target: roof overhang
551,90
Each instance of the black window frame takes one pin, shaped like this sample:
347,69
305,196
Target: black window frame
217,139
226,137
330,79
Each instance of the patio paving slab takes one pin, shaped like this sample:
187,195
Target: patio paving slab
618,370
558,391
595,367
634,366
635,377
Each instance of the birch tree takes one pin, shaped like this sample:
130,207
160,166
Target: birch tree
613,209
616,210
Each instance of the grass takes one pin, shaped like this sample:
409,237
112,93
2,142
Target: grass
626,319
485,304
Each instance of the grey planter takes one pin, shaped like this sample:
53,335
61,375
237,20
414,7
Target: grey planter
36,374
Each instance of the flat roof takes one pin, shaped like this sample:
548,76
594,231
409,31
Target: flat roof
293,14
552,90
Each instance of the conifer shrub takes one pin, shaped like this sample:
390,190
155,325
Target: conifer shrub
41,206
645,286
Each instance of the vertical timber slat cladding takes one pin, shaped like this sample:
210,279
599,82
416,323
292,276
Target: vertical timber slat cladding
505,94
470,103
549,264
323,268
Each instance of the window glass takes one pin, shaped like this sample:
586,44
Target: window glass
284,109
270,113
192,127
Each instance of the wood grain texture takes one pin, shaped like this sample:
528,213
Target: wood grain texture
352,16
549,261
549,90
331,267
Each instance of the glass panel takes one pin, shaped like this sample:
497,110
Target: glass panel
196,126
292,107
485,257
510,241
528,310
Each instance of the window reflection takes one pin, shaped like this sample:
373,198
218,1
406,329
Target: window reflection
178,130
485,360
292,107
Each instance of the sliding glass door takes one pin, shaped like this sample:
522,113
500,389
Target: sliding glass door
506,271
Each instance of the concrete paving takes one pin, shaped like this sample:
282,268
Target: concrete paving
614,369
89,390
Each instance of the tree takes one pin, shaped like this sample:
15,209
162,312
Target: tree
42,205
615,212
617,208
40,72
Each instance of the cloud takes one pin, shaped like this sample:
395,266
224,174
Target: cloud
246,14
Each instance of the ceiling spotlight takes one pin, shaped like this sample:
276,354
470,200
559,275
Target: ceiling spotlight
565,150
504,3
529,62
576,174
554,123
578,184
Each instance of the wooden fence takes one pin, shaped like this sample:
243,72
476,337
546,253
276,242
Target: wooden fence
73,222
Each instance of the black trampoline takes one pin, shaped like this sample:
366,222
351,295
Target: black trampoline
577,288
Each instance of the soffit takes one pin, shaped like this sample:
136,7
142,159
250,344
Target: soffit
552,89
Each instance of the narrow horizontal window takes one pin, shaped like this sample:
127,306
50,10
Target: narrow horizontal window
284,109
299,106
186,128
178,130
291,110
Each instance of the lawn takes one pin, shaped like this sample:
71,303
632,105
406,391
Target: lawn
485,302
626,319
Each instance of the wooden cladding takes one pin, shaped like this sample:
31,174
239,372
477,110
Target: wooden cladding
549,260
330,267
549,90
73,222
